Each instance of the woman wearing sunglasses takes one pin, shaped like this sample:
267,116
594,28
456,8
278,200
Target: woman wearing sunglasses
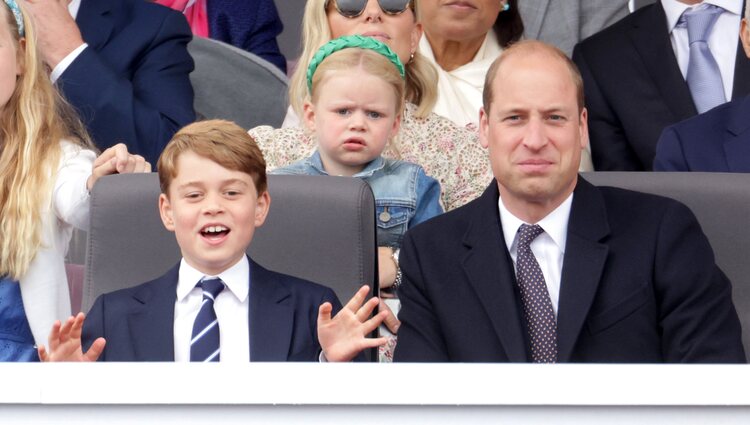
447,152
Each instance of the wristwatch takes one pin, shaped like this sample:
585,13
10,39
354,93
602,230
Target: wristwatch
399,276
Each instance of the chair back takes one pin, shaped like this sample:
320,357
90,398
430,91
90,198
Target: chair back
721,202
236,85
318,228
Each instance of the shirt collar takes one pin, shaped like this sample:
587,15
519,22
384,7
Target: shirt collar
73,7
373,166
236,278
555,224
674,9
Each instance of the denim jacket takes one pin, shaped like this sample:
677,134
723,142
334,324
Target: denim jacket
404,194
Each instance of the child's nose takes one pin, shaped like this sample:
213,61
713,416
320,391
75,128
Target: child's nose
357,121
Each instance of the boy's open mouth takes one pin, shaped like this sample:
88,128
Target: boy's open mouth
214,232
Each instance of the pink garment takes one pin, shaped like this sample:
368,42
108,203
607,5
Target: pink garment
194,11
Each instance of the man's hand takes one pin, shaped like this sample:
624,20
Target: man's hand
65,343
117,160
56,31
345,336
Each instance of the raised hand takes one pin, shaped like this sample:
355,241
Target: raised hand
65,343
345,335
117,159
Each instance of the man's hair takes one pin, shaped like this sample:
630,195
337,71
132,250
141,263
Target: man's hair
223,142
532,47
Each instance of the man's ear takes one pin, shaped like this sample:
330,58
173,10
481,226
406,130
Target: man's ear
484,128
263,203
745,36
584,128
308,116
166,213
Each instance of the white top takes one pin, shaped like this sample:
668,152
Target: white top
722,42
548,248
460,90
44,287
73,7
232,310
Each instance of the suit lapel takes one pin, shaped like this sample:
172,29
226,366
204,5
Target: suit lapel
651,40
582,266
95,19
490,272
737,137
741,85
151,323
271,316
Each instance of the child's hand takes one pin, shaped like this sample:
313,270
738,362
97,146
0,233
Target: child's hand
345,336
65,343
117,160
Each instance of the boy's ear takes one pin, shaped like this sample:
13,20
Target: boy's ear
263,203
165,211
308,116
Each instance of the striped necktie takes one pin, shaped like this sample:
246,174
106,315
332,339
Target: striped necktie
703,74
205,343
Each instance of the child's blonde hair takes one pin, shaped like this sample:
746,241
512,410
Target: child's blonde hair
223,142
364,60
32,125
421,77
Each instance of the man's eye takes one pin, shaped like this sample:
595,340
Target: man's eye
555,117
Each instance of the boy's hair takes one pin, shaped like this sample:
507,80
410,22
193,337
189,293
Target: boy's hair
221,141
369,61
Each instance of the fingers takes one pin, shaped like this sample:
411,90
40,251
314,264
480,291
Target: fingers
43,355
54,335
373,323
96,350
390,321
374,342
366,310
356,302
324,313
131,164
77,327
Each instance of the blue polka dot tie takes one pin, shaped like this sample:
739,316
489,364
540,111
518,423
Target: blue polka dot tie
537,307
703,74
205,343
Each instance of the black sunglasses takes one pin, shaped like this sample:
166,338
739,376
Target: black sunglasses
354,8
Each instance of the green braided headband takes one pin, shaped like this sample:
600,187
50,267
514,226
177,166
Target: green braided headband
13,6
346,42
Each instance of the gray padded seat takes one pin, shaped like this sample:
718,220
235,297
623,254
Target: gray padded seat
318,228
236,85
721,202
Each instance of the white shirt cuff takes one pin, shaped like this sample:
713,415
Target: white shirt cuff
65,63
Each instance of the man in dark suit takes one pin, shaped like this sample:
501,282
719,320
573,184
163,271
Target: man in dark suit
123,64
636,84
716,141
544,266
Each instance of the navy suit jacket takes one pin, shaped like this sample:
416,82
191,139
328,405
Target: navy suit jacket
716,141
131,84
634,88
639,284
138,322
252,25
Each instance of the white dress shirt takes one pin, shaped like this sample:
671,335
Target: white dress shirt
73,7
722,42
548,247
232,311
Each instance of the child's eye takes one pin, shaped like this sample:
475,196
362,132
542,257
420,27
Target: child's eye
193,195
232,192
374,115
342,111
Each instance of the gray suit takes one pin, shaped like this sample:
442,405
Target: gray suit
563,23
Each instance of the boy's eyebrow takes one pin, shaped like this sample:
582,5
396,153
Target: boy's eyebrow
201,184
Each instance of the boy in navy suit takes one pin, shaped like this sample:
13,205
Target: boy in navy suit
213,183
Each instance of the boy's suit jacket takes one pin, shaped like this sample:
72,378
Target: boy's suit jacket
138,322
634,88
131,84
639,284
717,141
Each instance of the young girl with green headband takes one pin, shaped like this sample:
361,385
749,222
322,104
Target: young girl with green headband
47,167
357,98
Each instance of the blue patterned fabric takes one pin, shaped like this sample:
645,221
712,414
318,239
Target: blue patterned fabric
249,25
16,340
